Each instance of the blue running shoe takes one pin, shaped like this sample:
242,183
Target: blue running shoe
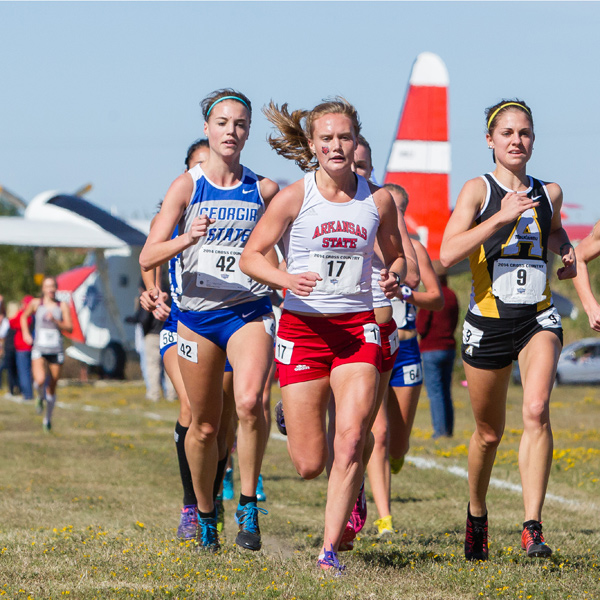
228,493
188,522
260,490
280,419
328,561
207,536
247,519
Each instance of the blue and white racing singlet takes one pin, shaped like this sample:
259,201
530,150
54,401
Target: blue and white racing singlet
210,275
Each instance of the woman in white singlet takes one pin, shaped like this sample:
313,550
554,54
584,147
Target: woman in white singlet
328,339
47,355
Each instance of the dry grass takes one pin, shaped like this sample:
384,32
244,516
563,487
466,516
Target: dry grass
91,510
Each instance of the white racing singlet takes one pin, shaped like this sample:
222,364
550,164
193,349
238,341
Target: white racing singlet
335,240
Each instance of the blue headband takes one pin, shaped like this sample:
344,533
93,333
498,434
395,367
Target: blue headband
226,98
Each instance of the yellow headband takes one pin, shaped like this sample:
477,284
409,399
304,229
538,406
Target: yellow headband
504,106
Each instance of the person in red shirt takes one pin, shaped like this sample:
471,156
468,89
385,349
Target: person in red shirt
438,350
23,351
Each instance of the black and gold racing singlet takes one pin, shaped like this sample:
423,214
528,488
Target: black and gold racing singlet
509,269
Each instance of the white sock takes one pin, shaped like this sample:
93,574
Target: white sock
50,402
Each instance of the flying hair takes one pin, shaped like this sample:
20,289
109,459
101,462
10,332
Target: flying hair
297,127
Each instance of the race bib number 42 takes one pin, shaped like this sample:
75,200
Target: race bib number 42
218,267
341,273
519,281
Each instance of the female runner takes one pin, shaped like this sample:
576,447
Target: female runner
378,467
47,355
505,222
395,418
223,312
328,339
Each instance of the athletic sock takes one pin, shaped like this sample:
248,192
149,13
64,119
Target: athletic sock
247,499
189,497
221,466
208,515
50,403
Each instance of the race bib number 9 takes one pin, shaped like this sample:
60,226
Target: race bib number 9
283,351
218,267
341,273
519,281
167,338
187,350
549,319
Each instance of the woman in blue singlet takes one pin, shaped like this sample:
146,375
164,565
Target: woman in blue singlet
224,314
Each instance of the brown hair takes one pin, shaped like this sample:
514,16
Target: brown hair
493,113
399,190
228,93
297,127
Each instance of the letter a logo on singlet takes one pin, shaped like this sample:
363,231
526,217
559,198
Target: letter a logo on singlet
526,231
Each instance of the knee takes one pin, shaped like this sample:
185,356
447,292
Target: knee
309,467
349,446
488,438
248,407
380,434
536,413
202,433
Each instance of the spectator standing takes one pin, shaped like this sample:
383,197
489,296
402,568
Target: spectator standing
438,351
23,350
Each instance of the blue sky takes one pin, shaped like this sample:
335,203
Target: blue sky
109,92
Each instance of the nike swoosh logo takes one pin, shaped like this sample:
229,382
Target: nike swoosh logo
247,191
248,314
535,198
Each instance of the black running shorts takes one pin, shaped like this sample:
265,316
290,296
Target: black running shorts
489,343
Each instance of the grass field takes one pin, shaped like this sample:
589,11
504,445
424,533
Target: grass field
90,511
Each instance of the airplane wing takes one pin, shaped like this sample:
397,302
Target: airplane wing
65,221
19,231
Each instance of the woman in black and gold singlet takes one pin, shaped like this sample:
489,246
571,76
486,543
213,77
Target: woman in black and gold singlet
505,222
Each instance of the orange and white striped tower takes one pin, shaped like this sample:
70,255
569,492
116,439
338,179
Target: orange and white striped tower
419,160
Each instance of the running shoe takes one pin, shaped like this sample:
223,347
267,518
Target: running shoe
47,426
220,508
347,541
532,540
260,490
228,493
476,539
279,418
384,526
188,522
247,519
396,465
207,536
358,518
356,522
328,561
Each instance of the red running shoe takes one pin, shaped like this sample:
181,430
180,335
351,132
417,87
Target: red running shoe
532,540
